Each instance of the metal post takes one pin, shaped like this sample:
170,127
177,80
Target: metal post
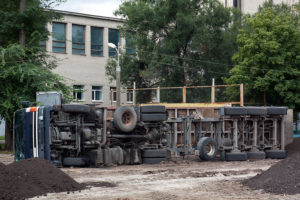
242,94
235,135
134,94
213,91
175,132
282,133
184,94
254,143
118,81
274,136
158,95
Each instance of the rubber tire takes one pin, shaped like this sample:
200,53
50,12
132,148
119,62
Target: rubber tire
153,160
201,147
154,153
153,117
107,157
276,110
117,155
256,110
70,161
260,155
233,111
240,156
222,155
276,154
76,108
118,122
153,109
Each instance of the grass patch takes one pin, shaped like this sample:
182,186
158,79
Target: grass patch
6,152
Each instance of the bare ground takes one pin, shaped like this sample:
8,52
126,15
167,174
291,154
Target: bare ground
181,179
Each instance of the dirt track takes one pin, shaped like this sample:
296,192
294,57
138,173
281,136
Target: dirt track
188,179
183,179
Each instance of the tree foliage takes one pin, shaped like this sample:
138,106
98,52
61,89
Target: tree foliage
176,42
25,70
268,56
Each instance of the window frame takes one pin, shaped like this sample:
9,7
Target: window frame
94,93
113,93
130,92
59,41
95,50
79,43
119,42
75,93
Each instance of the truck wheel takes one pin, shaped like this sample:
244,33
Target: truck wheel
260,155
154,153
238,156
76,108
125,119
79,161
154,117
153,160
208,148
153,109
276,154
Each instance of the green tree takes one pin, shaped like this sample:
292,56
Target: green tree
176,42
268,56
25,69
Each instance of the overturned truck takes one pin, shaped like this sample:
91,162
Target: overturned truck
81,135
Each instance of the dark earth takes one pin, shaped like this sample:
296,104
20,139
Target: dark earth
283,177
37,177
33,177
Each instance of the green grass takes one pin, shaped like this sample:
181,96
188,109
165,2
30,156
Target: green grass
6,152
2,137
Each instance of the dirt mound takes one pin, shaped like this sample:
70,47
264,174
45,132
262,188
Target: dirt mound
33,177
283,177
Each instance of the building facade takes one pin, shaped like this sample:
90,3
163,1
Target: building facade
251,6
80,43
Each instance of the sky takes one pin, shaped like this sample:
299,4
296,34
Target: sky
93,7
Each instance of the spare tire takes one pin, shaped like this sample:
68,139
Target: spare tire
208,148
76,108
125,119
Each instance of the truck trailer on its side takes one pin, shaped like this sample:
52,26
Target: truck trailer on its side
82,135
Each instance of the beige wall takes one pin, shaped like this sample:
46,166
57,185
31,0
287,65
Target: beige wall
251,6
85,69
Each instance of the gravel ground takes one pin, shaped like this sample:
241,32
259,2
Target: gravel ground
181,179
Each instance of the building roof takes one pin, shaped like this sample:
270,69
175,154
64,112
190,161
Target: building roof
89,16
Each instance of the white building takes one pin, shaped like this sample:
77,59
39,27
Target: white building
80,42
251,6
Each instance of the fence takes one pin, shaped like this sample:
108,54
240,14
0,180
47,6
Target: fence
185,94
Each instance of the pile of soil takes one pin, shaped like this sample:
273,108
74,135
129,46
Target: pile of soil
283,177
33,177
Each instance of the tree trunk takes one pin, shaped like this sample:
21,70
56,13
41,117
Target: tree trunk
8,136
22,31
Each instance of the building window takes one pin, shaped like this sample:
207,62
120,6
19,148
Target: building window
113,37
96,41
113,94
59,38
43,45
78,46
96,93
78,92
235,4
129,43
129,96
